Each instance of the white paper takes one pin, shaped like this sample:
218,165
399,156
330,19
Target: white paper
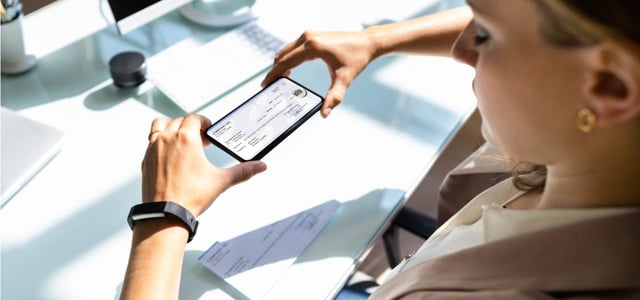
254,261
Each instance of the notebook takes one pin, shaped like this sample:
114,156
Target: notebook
27,146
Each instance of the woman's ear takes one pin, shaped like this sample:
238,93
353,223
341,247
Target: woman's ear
613,85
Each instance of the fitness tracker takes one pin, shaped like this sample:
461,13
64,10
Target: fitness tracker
153,210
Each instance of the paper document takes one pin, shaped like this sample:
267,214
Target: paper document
254,261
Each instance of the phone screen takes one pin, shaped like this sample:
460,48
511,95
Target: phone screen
256,126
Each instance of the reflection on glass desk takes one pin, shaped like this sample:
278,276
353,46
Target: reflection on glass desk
65,234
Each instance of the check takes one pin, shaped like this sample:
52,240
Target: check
253,262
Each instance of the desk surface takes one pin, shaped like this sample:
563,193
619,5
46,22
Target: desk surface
64,235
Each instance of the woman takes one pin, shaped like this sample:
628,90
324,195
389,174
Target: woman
558,86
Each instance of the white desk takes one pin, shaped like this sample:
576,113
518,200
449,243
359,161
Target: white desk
64,235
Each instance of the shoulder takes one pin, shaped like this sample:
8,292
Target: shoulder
591,258
509,294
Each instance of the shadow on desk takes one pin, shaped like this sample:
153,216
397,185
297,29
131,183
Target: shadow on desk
108,96
66,72
342,237
36,262
81,68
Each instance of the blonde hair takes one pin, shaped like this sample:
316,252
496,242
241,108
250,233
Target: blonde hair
579,23
586,22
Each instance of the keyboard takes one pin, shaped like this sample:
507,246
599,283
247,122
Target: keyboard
214,68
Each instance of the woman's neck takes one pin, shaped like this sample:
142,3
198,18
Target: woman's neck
607,183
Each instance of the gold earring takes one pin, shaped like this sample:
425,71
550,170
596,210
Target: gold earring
586,120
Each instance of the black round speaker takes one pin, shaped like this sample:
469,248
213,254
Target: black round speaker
128,69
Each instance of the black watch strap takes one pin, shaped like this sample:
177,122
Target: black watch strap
153,210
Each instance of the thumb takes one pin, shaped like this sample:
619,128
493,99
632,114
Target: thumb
334,96
243,171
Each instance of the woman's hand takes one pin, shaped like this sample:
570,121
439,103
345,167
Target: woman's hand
346,54
176,169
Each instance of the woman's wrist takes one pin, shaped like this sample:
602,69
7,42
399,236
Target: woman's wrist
379,41
163,209
432,34
170,229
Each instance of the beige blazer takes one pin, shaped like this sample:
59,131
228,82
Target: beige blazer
482,169
593,259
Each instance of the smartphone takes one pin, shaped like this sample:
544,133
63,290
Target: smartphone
255,127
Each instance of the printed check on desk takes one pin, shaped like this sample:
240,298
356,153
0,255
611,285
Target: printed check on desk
253,262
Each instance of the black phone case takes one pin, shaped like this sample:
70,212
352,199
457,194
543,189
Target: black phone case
278,139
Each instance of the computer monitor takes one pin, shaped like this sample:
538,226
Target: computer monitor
131,14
